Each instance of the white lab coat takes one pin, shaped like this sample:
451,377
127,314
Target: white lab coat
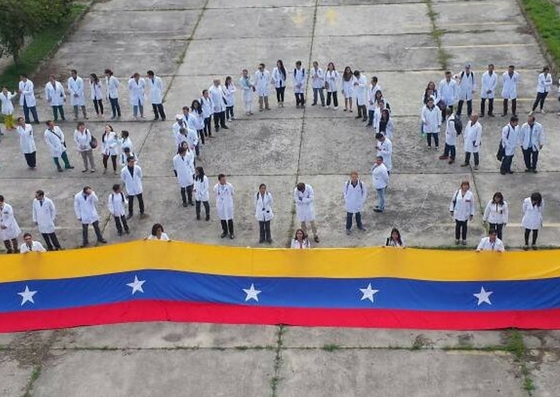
317,78
192,138
229,94
123,143
109,144
132,183
431,119
262,81
217,95
348,87
55,141
35,247
509,85
305,208
379,176
263,207
303,245
207,106
196,120
509,139
534,140
463,208
84,207
112,84
224,200
55,94
299,80
184,168
532,215
486,245
116,203
389,128
372,103
448,91
544,82
82,140
472,137
27,93
7,105
278,78
202,189
331,80
354,196
26,139
496,213
450,131
488,83
7,219
360,90
76,87
247,87
136,89
44,215
156,90
180,138
467,84
96,91
386,151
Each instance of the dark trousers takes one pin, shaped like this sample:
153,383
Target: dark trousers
531,157
64,158
460,107
498,227
96,229
131,204
200,134
460,230
505,167
535,236
362,111
115,107
227,226
206,209
349,217
31,159
513,106
541,96
33,110
429,138
280,94
98,106
334,96
113,161
120,223
229,113
468,158
56,110
444,110
219,120
264,232
300,100
490,106
186,192
449,151
208,126
158,111
319,93
370,113
51,241
11,246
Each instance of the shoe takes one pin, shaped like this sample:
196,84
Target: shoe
525,248
369,125
362,229
443,157
316,239
70,167
185,204
504,114
491,115
9,251
142,216
535,171
102,241
378,210
502,172
464,242
542,111
456,242
231,236
191,203
313,104
437,147
84,244
510,172
198,217
348,232
60,170
358,117
129,216
531,113
345,109
119,233
156,118
127,231
225,127
476,167
481,114
207,218
465,165
451,161
86,170
429,147
104,171
351,111
92,170
534,247
115,173
335,108
262,240
223,235
527,170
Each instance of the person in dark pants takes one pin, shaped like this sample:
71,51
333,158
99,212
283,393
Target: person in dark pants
131,175
224,204
85,203
488,91
201,193
462,210
263,212
27,99
509,142
544,82
532,219
450,137
355,194
531,138
113,84
156,95
44,214
496,213
27,142
117,203
219,106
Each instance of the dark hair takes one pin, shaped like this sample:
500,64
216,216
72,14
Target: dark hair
109,71
85,188
94,78
386,112
513,119
261,185
74,71
499,196
80,123
221,176
105,132
116,187
23,75
374,78
155,228
129,159
356,73
125,134
226,81
536,198
181,150
303,232
300,186
1,198
150,73
399,238
126,149
379,135
20,118
40,192
199,174
298,63
281,68
347,74
198,108
204,92
27,235
492,231
546,69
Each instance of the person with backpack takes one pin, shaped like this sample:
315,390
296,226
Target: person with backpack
263,213
510,132
54,137
117,203
355,195
467,87
488,91
299,85
453,128
472,139
462,211
447,92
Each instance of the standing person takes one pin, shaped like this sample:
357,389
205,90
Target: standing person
183,168
462,210
509,142
96,89
263,213
136,87
7,108
431,123
331,84
488,91
27,142
116,203
201,193
394,240
279,77
30,245
509,89
55,95
380,177
544,82
532,218
229,98
262,80
385,124
496,213
27,99
318,84
44,215
77,93
131,175
491,243
9,228
248,88
219,106
54,137
348,88
385,149
531,139
207,109
83,140
126,148
300,240
448,91
85,203
156,94
372,102
472,139
196,117
467,87
304,196
355,195
109,148
299,85
113,84
224,205
450,137
360,88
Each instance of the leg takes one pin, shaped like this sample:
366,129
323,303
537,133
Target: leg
261,232
55,113
335,99
452,153
230,227
64,158
140,203
84,112
155,109
464,230
28,159
505,107
382,199
535,237
197,209
125,224
114,161
216,121
543,97
26,113
536,103
364,112
266,106
534,159
429,139
84,234
57,163
267,234
315,95
141,108
329,95
223,119
89,154
161,111
491,107
460,107
467,158
322,96
261,100
113,107
47,239
469,107
201,136
527,158
207,209
98,234
34,114
436,139
499,229
277,98
15,245
118,225
189,194
370,118
476,159
224,228
314,229
527,232
184,196
130,206
359,221
8,245
482,106
303,227
75,112
84,160
445,151
55,241
514,106
101,106
348,221
96,106
135,111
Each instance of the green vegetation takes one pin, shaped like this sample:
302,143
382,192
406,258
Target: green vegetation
545,18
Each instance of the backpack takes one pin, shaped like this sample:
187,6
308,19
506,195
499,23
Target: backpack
458,125
359,182
295,71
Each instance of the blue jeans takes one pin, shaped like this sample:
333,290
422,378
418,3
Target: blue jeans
27,109
381,198
135,109
349,220
115,107
319,92
370,117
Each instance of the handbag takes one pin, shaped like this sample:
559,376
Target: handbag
501,152
93,141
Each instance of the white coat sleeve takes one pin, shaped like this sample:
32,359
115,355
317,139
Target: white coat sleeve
53,211
486,212
94,198
77,207
506,213
110,205
472,207
34,214
310,196
480,245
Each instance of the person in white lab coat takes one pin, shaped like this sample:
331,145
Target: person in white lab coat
466,82
491,243
278,78
77,93
510,133
183,168
207,110
262,81
85,202
544,82
360,93
196,118
109,148
27,99
201,193
224,205
395,239
318,84
216,92
9,228
157,233
55,95
54,137
462,211
509,89
472,138
384,149
380,178
126,148
532,219
431,122
449,152
304,197
299,85
27,142
83,139
531,139
136,88
496,213
229,98
263,213
348,80
331,85
372,102
248,87
113,84
155,83
116,203
30,245
7,108
300,240
44,215
488,91
354,192
448,91
131,175
96,94
385,124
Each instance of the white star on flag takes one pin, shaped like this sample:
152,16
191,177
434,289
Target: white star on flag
368,293
136,285
483,296
27,296
252,293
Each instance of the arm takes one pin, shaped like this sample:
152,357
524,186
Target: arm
310,196
486,212
110,205
34,214
77,207
472,206
480,245
506,213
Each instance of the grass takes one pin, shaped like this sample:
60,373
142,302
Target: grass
38,49
436,33
545,18
34,376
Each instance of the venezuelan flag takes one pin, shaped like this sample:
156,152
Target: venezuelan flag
362,287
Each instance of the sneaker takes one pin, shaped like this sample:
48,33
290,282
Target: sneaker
451,161
102,241
231,236
335,108
531,113
456,242
542,111
348,232
362,229
223,235
476,167
534,247
185,204
443,157
198,217
316,239
525,248
119,233
465,165
464,242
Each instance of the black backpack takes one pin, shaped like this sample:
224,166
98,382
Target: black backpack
458,125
